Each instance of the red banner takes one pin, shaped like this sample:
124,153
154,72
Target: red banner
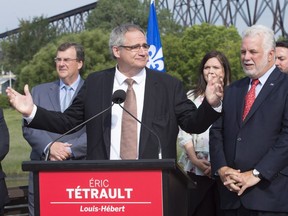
126,193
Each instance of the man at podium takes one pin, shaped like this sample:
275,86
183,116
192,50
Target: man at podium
157,100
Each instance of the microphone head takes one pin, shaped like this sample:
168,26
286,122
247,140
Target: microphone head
119,96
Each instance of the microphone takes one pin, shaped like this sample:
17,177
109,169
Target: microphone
122,92
117,98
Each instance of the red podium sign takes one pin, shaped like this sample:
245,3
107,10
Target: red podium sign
118,193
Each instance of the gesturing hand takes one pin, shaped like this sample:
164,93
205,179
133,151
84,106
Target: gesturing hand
214,90
22,103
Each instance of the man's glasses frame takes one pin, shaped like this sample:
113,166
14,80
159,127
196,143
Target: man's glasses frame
136,47
65,60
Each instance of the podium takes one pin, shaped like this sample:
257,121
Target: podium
110,187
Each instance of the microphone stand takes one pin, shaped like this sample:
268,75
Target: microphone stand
159,143
74,128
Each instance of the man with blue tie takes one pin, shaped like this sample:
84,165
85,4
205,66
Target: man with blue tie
249,143
57,96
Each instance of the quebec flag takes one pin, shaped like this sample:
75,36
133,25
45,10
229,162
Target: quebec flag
156,59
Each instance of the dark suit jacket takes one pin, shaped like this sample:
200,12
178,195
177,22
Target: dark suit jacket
165,107
46,95
260,142
4,148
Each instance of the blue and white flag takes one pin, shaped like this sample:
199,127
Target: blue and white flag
156,59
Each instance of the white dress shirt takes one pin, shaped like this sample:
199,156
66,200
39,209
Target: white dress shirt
116,119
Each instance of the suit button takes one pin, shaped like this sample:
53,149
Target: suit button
239,139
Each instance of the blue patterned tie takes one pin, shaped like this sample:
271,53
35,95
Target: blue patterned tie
67,97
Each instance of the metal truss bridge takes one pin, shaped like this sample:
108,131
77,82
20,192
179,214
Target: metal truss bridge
239,13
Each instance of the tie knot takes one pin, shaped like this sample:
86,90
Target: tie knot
255,82
130,82
67,88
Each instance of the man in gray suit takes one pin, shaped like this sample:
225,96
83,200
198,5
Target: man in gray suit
57,96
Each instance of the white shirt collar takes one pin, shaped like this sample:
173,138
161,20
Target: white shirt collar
265,76
120,77
74,85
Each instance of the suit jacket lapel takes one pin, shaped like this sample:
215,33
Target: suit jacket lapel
148,108
269,85
241,99
107,86
81,82
54,95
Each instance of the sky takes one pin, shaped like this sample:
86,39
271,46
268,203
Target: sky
11,11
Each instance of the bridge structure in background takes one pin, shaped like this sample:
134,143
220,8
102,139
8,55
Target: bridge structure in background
239,13
72,21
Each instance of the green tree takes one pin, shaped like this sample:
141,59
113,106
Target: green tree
42,67
4,102
172,52
110,13
183,55
19,49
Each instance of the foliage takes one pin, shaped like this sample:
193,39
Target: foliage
172,52
111,13
19,49
4,103
42,67
282,38
183,55
31,54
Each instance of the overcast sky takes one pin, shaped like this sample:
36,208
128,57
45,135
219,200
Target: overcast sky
11,11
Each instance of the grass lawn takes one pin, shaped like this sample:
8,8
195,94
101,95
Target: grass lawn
19,150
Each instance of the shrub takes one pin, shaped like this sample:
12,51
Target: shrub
4,102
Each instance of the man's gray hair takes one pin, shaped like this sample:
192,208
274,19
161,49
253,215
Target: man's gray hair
117,36
264,32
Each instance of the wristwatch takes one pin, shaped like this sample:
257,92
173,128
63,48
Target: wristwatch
257,174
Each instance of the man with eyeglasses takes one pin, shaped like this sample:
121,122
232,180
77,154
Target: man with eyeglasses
54,96
161,101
